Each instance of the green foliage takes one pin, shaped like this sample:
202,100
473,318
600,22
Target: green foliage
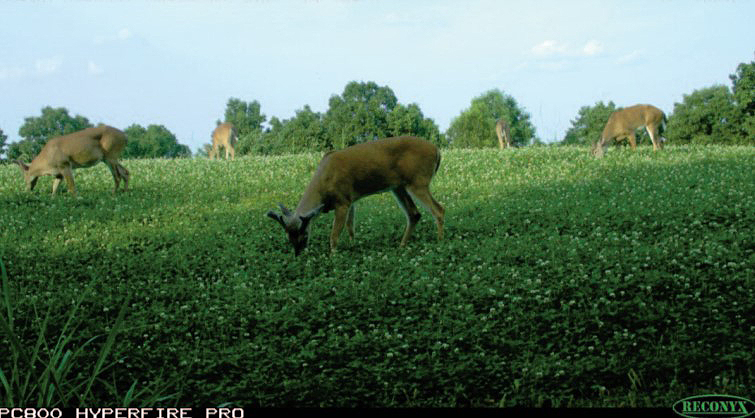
562,281
3,138
305,131
47,374
475,127
705,116
245,116
587,127
409,120
359,114
155,141
743,87
37,130
716,114
363,112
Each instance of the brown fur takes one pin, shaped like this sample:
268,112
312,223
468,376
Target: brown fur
85,148
224,136
403,165
623,123
504,134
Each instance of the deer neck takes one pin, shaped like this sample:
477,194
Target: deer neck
309,201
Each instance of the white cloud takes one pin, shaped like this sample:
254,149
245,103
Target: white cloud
47,66
94,69
592,47
551,48
124,34
121,35
630,57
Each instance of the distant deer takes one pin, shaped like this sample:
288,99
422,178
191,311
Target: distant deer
224,136
623,123
504,134
403,165
61,155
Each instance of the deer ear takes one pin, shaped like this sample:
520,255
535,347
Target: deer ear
277,217
314,212
309,216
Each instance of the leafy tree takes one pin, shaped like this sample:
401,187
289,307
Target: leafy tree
37,130
743,87
359,114
155,141
475,127
254,143
587,127
409,120
245,117
705,116
305,131
3,138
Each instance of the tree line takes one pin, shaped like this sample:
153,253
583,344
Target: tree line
154,141
710,115
366,111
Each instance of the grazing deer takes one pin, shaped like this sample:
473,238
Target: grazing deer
623,123
403,165
61,155
224,136
504,134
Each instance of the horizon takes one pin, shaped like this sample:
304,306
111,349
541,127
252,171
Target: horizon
120,63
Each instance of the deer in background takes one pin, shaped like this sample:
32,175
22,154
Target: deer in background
403,165
61,155
224,136
623,123
504,134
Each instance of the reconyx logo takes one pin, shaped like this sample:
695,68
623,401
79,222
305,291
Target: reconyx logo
714,405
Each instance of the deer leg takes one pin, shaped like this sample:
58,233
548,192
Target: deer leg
233,152
341,212
422,193
56,182
410,210
68,175
350,221
214,152
115,173
123,172
654,137
632,141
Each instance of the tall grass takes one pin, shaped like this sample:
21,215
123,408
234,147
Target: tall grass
50,372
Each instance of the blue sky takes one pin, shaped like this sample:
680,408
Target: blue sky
176,62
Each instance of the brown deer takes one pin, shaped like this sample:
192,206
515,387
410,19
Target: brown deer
224,136
61,155
403,165
504,134
623,123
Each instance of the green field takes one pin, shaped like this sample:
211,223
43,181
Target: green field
562,281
